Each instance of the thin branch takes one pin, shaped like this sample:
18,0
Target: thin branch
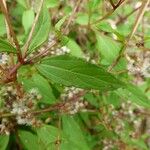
14,69
12,33
119,3
109,13
26,46
139,18
72,16
115,62
135,26
112,4
128,15
41,54
54,107
9,38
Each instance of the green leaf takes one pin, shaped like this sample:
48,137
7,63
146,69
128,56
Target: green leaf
93,4
44,88
76,140
23,3
27,19
42,29
134,94
48,135
108,48
82,19
39,82
6,47
2,25
60,23
75,49
4,139
29,140
52,3
72,71
104,26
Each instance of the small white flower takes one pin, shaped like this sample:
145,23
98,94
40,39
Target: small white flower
3,58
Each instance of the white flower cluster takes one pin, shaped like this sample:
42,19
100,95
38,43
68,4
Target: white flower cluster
69,92
52,51
118,119
5,126
60,51
22,107
50,39
76,107
3,58
126,113
20,110
74,102
139,64
88,58
108,144
57,51
19,106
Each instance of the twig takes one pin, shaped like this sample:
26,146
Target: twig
41,54
12,33
139,18
72,16
135,26
128,15
9,38
112,4
58,106
14,69
115,62
119,3
109,13
26,46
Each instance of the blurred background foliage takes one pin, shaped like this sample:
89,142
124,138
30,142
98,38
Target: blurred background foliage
90,119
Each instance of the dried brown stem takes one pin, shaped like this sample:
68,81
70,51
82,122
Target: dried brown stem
126,17
12,33
121,2
43,53
55,107
72,16
138,18
135,26
112,4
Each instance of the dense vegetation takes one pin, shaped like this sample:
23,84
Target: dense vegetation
74,75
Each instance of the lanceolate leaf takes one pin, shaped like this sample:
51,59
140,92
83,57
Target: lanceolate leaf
27,15
72,71
6,47
2,25
41,31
